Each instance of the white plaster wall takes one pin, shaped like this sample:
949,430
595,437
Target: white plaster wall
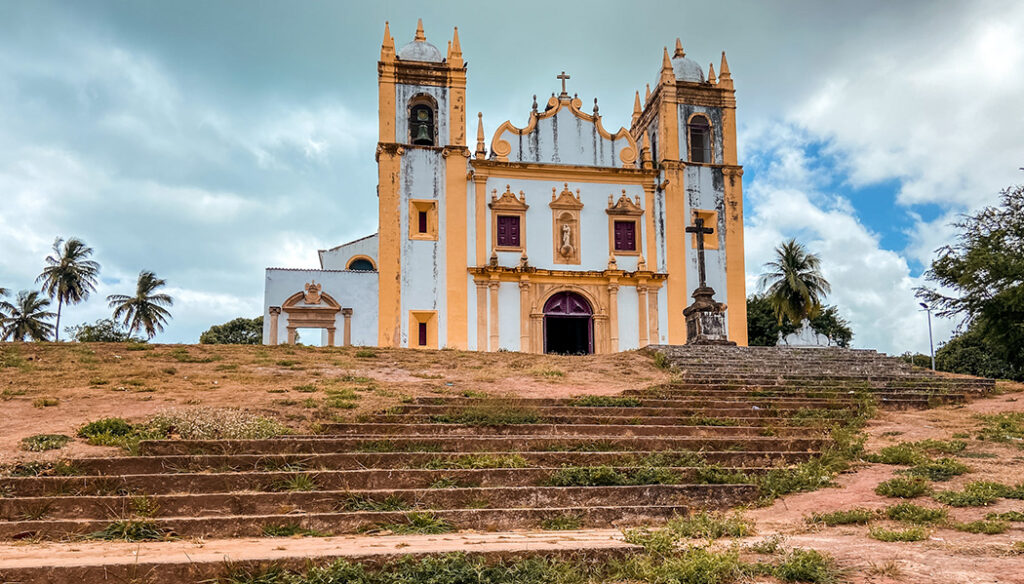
337,258
701,193
472,342
403,93
508,316
422,261
565,138
715,115
662,316
355,290
594,232
629,322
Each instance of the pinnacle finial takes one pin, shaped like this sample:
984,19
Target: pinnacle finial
534,103
647,95
419,31
481,148
387,46
667,74
724,69
595,108
456,47
679,49
636,103
711,73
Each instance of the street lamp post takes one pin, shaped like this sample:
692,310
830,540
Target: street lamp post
931,345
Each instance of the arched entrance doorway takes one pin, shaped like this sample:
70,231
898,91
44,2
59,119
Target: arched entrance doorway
568,324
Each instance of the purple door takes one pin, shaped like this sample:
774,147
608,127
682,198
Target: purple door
568,326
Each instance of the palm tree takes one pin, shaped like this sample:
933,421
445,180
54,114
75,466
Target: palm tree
145,310
3,311
26,317
69,275
795,286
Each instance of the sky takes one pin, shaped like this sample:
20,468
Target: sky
207,141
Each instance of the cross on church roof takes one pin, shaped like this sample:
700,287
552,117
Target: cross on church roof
563,77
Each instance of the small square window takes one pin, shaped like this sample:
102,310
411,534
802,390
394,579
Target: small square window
422,222
508,231
422,334
625,236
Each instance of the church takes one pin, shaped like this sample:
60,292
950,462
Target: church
557,236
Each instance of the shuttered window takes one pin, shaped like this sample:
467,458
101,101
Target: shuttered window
625,236
508,231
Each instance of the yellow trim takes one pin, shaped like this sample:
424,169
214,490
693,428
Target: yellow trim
428,317
563,172
736,283
386,102
651,247
389,259
710,219
675,251
348,264
502,148
456,249
428,206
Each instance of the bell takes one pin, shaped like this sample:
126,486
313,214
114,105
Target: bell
423,136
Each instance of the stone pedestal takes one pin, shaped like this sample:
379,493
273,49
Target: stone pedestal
705,319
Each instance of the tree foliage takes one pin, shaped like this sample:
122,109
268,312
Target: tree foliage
763,327
793,282
69,275
240,331
26,318
146,310
971,354
104,330
984,270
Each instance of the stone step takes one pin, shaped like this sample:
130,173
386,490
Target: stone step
468,443
113,508
568,429
722,418
600,453
664,407
352,522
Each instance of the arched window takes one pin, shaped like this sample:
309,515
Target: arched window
422,121
699,131
361,265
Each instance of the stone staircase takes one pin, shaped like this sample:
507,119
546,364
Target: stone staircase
456,463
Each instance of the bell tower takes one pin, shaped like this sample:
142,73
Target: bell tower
689,119
422,161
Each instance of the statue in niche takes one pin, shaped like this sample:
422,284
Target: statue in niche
567,248
312,293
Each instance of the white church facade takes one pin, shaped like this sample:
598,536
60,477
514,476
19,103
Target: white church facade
558,236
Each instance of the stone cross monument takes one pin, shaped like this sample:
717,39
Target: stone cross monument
705,318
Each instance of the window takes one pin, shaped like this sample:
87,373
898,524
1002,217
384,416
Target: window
422,340
423,219
421,125
508,231
625,236
700,139
361,265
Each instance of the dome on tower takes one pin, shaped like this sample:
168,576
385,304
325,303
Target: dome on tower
686,69
419,49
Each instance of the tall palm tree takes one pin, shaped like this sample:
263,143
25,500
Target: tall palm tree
795,286
26,318
69,275
146,309
3,311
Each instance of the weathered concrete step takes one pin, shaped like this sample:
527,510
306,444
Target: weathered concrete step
743,393
761,418
112,508
565,429
354,522
336,480
185,562
324,445
698,403
452,410
599,453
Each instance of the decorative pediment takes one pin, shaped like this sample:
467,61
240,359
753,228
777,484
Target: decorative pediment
564,134
508,201
625,205
566,199
311,299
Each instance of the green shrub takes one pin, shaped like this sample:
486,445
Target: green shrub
479,461
902,453
606,401
44,442
904,488
942,469
291,530
911,513
1007,516
489,414
606,476
849,517
807,566
425,523
710,525
563,522
976,494
916,533
130,530
986,526
1002,427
